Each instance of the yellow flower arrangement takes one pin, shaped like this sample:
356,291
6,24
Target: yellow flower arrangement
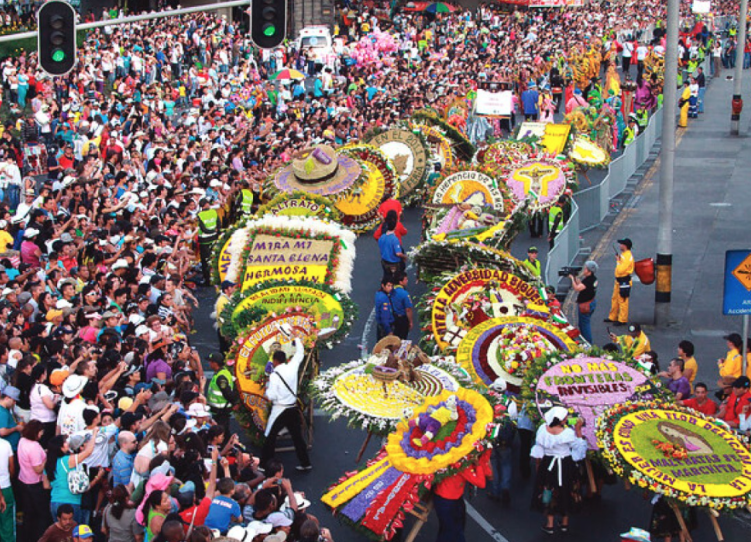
429,465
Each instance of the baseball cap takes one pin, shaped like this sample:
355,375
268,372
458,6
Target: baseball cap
83,531
532,249
625,241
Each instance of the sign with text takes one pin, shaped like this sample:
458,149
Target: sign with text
494,104
736,297
282,257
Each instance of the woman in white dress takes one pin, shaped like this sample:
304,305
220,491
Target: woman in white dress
556,449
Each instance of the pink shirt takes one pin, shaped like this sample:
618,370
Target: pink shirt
30,453
28,254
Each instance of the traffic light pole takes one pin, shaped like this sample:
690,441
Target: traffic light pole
138,18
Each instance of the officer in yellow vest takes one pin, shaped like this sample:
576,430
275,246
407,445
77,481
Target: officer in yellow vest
630,133
555,220
221,393
532,263
208,232
622,288
635,344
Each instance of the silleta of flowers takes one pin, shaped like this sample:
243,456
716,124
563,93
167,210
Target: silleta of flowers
677,452
504,348
307,248
333,311
503,153
585,382
300,204
353,392
543,180
446,435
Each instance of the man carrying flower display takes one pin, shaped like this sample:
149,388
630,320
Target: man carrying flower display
635,344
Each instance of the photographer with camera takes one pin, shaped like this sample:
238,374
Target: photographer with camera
586,286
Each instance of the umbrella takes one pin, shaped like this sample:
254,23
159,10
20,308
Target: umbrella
287,74
440,7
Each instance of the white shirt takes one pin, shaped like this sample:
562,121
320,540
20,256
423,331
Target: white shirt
39,410
100,456
70,417
6,452
284,396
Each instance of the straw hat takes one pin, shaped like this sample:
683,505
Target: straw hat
319,169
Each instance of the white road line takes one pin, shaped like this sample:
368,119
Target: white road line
366,333
482,522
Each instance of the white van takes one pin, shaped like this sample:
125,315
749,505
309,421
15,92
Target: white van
318,40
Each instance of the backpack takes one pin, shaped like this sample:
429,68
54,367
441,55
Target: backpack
78,478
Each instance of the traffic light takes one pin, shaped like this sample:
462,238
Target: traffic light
57,37
268,23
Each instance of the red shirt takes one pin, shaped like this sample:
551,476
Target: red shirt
735,406
390,205
202,509
400,231
708,408
453,488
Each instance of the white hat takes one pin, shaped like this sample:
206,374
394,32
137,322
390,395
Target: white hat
63,304
247,534
30,233
215,183
136,319
198,410
140,330
302,502
555,413
73,385
122,263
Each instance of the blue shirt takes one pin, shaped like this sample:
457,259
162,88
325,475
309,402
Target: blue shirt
389,246
7,421
221,512
529,101
384,312
122,468
401,301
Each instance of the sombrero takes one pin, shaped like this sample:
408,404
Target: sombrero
318,170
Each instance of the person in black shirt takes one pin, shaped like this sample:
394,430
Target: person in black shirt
587,288
702,82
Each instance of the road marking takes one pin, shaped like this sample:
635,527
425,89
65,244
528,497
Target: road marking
482,522
721,204
366,333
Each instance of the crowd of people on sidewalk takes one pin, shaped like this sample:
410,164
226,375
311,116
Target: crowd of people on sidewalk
115,180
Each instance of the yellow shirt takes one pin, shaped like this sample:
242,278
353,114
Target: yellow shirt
690,363
635,347
733,365
221,302
625,265
6,240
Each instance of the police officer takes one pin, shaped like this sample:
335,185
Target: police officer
532,263
622,287
384,310
221,394
208,233
244,203
555,220
402,304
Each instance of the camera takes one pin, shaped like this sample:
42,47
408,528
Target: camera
566,271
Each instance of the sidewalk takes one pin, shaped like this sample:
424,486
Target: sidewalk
710,216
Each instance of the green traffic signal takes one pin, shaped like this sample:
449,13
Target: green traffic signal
58,55
269,30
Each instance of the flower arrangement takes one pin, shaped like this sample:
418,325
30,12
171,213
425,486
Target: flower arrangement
503,153
699,464
238,316
295,230
300,204
374,499
430,117
586,382
543,179
350,391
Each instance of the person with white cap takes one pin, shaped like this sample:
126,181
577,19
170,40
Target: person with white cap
586,288
556,449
